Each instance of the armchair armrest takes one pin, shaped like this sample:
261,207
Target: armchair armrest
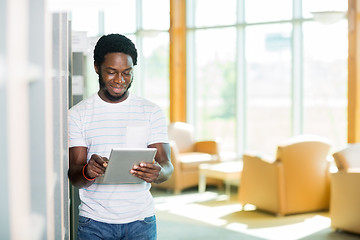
260,179
171,183
210,147
260,169
174,153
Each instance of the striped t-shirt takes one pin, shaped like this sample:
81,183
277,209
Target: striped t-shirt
101,126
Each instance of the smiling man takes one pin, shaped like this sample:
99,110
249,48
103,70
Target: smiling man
115,118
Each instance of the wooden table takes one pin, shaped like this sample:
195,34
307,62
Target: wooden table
229,172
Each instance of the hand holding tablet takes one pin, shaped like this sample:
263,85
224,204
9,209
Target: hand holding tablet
122,160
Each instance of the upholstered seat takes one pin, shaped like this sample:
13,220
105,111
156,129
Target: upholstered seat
296,181
345,191
186,156
192,160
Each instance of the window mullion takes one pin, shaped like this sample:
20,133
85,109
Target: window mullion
297,70
240,81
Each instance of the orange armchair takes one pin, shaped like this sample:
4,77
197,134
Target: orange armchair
345,192
186,156
296,181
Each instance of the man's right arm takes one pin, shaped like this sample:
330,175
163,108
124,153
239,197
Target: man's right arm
81,173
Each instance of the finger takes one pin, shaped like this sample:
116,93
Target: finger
142,170
150,166
96,169
92,171
147,174
100,162
106,161
147,169
144,176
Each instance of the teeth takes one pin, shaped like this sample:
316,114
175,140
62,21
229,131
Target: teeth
119,86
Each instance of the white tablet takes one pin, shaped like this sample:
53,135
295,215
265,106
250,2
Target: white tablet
122,160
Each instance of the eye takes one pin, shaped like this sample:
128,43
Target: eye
126,74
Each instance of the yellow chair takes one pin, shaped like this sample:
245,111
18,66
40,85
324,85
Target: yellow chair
345,191
297,181
186,156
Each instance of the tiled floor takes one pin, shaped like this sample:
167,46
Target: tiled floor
214,213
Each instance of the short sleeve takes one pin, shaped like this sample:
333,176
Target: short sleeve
158,127
75,133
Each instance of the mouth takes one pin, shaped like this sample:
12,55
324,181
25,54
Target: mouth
117,89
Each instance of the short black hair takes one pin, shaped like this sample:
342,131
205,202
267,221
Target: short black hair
114,43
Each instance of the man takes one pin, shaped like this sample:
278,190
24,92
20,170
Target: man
115,118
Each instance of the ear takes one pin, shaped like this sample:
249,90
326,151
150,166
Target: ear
97,70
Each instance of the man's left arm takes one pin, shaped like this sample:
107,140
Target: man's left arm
160,170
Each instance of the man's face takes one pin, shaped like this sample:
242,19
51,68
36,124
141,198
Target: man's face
115,76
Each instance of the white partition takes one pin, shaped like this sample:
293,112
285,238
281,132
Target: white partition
34,59
4,175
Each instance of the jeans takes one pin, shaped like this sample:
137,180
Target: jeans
90,229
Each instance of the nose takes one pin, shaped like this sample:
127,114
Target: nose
120,79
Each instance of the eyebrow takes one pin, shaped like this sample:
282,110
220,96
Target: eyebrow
130,68
114,69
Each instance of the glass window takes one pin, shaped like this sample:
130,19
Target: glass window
268,58
310,6
86,19
155,69
325,78
215,13
265,10
215,85
268,69
156,14
120,17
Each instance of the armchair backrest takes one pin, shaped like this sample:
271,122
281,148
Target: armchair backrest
349,157
305,166
183,135
303,153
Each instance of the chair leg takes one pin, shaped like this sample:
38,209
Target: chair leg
220,186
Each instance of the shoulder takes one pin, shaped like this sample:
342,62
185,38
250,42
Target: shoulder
143,102
80,109
136,98
85,103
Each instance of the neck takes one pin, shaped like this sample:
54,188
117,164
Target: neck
107,97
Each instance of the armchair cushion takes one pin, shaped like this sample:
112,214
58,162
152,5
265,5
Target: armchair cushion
192,160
